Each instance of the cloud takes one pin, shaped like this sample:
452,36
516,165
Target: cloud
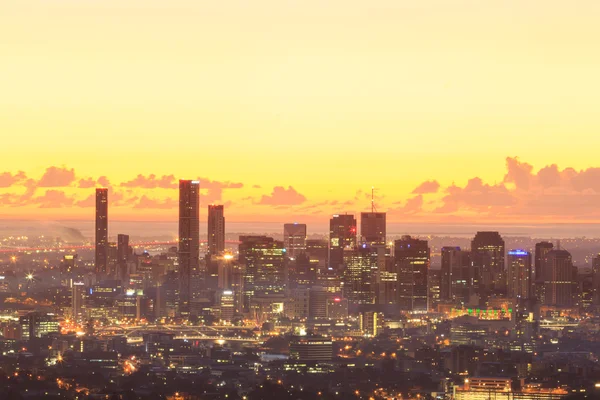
86,183
412,206
147,202
427,187
7,179
523,193
53,199
256,187
103,181
282,196
57,177
152,182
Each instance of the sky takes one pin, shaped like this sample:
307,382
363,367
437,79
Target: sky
455,111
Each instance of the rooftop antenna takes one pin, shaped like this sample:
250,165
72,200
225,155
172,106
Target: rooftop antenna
373,209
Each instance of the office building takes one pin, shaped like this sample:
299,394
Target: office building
77,299
541,249
558,274
101,241
318,252
311,348
359,274
412,258
342,236
373,228
263,260
487,250
123,254
37,325
216,230
369,323
520,275
189,241
459,277
294,239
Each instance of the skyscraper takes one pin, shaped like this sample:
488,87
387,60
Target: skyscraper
373,228
189,240
77,298
123,253
360,271
460,278
557,272
412,257
487,249
101,257
519,275
294,239
342,235
216,230
263,260
541,249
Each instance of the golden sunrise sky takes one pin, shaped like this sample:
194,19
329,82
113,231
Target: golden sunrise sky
303,103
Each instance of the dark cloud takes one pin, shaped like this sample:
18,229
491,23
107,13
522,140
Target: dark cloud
282,196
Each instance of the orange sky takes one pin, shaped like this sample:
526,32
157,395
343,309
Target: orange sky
305,103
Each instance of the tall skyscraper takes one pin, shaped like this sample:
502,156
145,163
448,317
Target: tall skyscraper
77,299
412,258
216,230
342,235
360,271
189,240
557,272
294,239
596,280
541,249
263,260
373,228
460,278
519,275
123,253
487,249
101,257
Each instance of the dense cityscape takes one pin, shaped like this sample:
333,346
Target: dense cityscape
355,313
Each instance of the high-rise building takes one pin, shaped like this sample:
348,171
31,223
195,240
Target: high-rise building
123,254
557,272
294,239
460,278
216,230
359,274
101,253
541,249
373,228
519,275
342,235
596,280
189,240
318,252
263,260
77,298
487,250
412,258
